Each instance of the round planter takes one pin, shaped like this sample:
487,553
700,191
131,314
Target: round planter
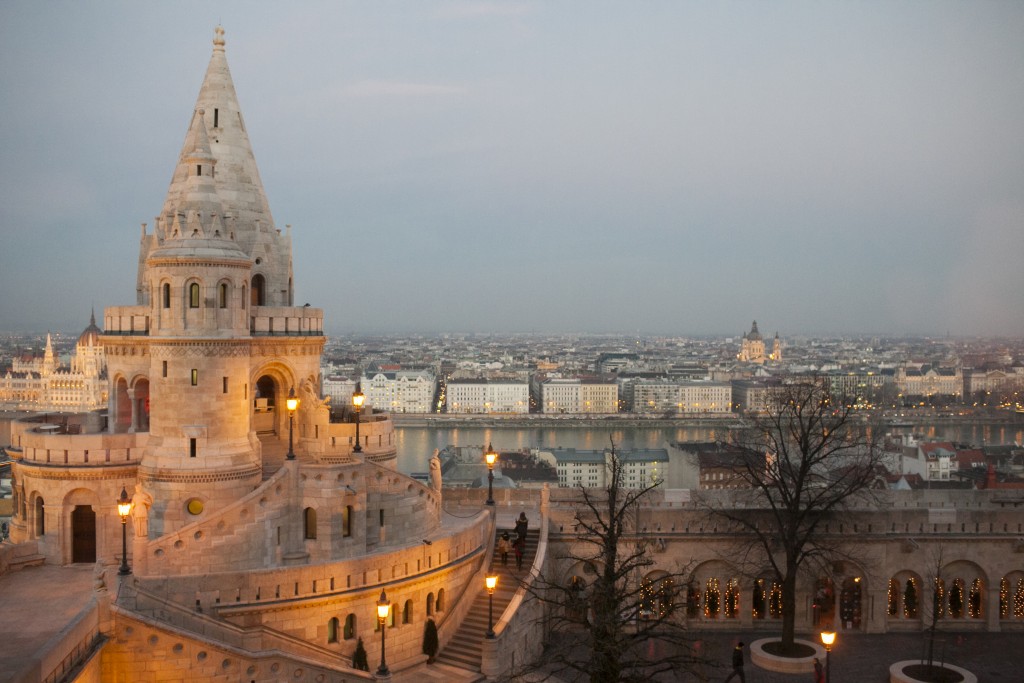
897,675
786,665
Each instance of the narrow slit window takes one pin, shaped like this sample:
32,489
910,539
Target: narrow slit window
223,295
216,117
191,448
199,169
167,295
165,368
193,295
225,385
195,377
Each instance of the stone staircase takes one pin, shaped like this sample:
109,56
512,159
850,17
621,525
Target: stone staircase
465,649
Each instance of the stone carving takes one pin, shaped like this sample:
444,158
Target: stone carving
141,502
435,472
99,578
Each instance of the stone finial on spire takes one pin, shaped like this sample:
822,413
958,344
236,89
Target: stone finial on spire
218,37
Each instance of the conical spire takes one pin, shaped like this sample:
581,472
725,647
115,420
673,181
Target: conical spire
217,133
216,192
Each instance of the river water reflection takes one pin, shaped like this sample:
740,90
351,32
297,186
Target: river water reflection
416,444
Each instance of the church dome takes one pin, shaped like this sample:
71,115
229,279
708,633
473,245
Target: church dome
91,335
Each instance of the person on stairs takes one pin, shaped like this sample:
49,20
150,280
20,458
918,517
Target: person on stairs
504,546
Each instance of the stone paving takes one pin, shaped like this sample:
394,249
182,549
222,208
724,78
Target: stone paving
863,658
35,604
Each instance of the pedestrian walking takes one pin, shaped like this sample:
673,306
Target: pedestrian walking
504,546
819,673
517,546
522,524
737,663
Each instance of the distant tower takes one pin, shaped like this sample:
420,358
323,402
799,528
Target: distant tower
752,347
777,349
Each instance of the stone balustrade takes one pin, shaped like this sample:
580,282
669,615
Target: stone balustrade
286,321
126,320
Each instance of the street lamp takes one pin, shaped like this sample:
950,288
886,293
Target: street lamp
827,638
292,404
124,508
357,400
383,607
490,456
491,582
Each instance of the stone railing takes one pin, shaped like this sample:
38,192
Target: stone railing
65,651
289,657
286,321
519,637
126,320
81,450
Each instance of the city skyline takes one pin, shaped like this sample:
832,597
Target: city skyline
516,167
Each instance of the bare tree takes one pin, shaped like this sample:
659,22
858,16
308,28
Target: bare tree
811,457
618,626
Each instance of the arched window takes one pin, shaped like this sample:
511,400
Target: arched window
1011,596
222,295
166,295
309,519
257,290
350,627
974,600
193,295
939,598
346,521
439,605
40,517
332,630
430,604
956,599
732,599
712,598
758,600
693,601
407,612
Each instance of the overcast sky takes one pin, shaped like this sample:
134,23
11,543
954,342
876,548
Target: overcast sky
662,167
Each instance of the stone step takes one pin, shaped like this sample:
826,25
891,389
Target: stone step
465,649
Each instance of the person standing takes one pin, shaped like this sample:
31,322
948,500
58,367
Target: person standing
504,545
522,524
517,546
819,673
737,663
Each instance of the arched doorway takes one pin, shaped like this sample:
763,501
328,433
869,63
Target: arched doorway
264,405
83,534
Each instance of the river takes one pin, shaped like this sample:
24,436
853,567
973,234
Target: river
416,444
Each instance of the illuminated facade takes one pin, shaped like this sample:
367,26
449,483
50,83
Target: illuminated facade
259,538
41,384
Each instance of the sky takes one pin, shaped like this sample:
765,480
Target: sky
652,167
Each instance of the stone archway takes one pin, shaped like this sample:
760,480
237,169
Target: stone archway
122,406
265,400
140,399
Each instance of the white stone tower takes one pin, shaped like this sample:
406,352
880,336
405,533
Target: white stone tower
215,286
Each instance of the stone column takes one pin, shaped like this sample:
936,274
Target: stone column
135,411
992,605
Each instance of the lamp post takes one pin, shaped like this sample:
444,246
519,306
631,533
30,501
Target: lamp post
383,607
827,638
124,508
490,456
357,400
292,404
491,582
